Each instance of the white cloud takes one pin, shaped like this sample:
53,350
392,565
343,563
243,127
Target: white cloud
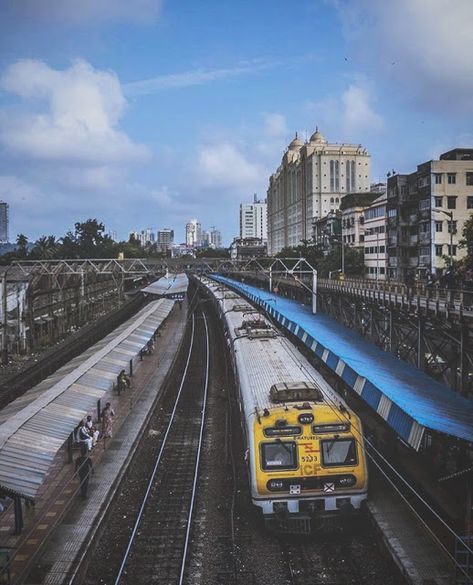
275,125
84,11
423,45
357,113
196,77
79,122
349,116
224,165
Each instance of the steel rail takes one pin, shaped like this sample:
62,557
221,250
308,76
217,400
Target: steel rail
158,460
199,449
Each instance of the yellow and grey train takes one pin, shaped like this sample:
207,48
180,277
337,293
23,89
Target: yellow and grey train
304,447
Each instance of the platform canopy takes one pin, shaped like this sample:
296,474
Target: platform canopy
409,400
173,286
34,427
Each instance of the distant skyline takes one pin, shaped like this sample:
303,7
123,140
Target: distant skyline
148,112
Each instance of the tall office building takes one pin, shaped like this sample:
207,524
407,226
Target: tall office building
254,220
310,182
193,234
165,239
4,219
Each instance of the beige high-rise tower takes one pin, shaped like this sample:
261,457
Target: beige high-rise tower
311,181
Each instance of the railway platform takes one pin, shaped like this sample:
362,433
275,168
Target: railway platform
367,370
58,535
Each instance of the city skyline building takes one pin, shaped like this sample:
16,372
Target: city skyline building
4,222
193,234
311,182
164,239
254,219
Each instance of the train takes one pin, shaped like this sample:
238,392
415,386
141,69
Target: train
304,447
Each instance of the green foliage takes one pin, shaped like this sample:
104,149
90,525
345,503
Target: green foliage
331,262
212,253
86,241
467,242
22,245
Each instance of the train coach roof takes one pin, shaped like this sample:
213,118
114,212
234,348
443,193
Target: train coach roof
270,361
34,427
407,398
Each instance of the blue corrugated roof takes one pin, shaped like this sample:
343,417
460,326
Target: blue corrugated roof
417,395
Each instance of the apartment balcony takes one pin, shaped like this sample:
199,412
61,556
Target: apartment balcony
412,262
392,241
392,261
424,238
413,240
424,260
413,218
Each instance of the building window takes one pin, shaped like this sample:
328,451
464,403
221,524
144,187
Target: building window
451,202
424,204
469,202
469,179
451,178
452,250
452,227
438,201
438,178
439,226
438,249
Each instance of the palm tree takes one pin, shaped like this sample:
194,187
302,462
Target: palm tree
22,245
45,247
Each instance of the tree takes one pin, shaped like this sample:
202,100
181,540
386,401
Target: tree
45,248
467,242
22,245
212,253
89,237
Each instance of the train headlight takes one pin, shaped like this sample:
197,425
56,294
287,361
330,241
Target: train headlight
347,481
275,485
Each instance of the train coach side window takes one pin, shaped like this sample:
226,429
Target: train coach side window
338,452
278,455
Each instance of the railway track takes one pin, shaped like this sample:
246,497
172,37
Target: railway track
324,561
158,547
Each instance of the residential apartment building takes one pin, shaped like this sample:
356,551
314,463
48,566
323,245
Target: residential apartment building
375,239
4,221
193,234
352,210
254,220
426,213
215,238
143,237
310,183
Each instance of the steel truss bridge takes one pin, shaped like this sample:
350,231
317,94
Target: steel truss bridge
429,327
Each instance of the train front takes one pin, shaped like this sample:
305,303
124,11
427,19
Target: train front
308,465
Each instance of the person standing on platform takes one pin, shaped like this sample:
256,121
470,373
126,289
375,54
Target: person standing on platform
107,421
84,469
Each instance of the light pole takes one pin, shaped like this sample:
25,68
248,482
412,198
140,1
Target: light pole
450,215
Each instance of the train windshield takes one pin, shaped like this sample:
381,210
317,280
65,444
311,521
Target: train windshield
278,455
338,452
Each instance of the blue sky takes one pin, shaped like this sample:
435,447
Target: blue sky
146,113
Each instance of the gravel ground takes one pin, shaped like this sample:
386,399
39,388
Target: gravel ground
349,555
